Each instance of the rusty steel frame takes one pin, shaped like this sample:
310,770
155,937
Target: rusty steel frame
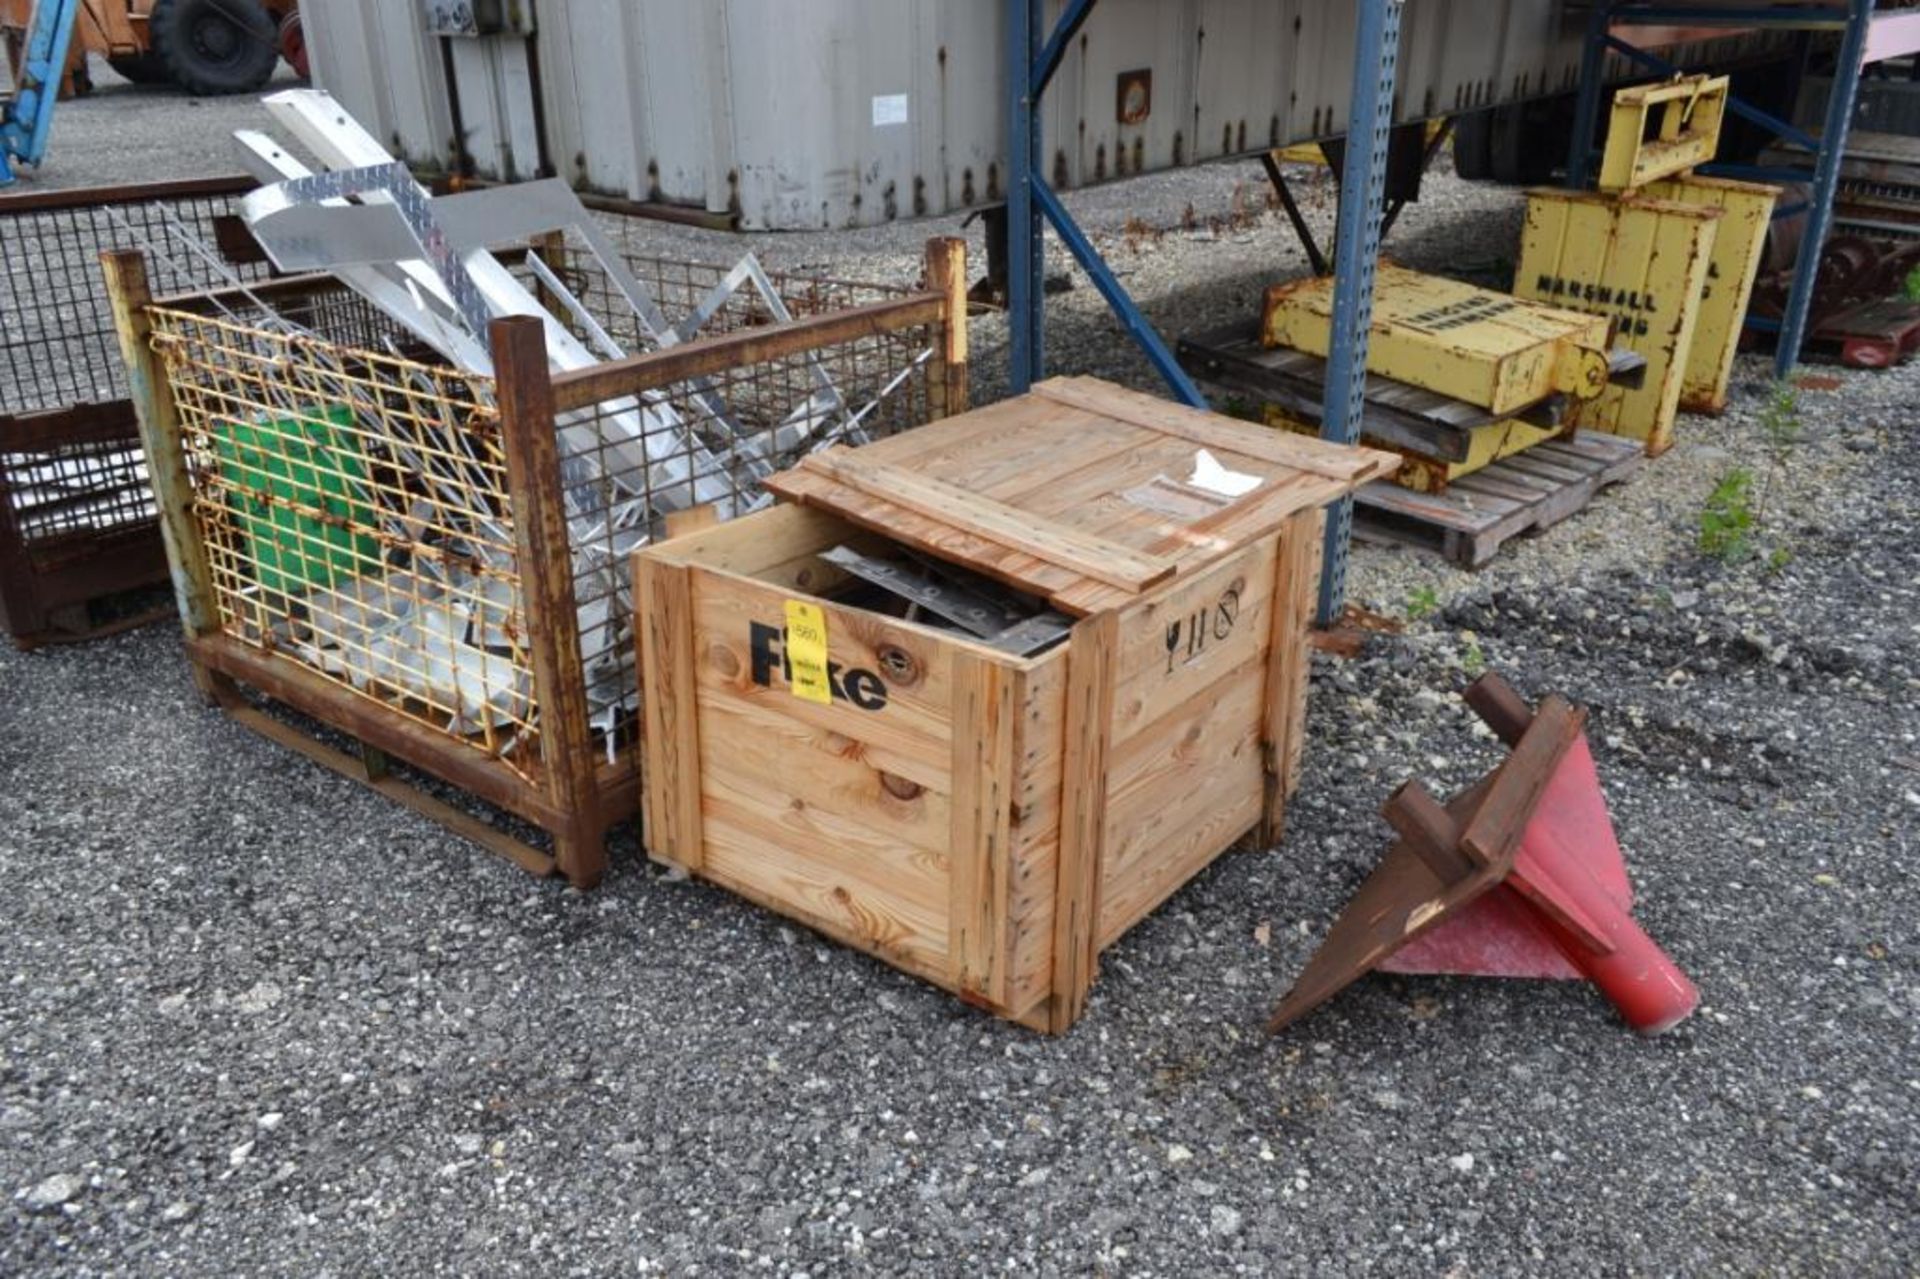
578,795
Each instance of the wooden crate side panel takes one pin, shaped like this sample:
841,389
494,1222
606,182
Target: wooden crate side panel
732,615
1038,760
1180,791
839,814
805,890
817,770
1180,641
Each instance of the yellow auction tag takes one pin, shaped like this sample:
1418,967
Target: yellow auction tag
807,652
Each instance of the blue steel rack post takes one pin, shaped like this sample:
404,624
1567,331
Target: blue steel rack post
27,118
1031,64
1865,37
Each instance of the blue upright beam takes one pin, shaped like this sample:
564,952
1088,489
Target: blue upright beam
1026,265
1586,112
1030,65
1826,184
26,120
1363,181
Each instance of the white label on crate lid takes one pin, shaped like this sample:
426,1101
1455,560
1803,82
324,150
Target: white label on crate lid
1208,474
889,108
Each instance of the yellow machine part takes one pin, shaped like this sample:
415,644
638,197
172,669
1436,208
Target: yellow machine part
1662,130
1746,211
1484,348
1425,474
1310,152
1640,263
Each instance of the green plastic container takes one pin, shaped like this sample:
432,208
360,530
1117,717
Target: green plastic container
312,461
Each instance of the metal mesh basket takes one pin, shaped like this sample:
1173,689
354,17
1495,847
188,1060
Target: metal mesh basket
76,512
362,507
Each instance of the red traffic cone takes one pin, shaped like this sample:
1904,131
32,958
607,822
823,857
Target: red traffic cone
1520,876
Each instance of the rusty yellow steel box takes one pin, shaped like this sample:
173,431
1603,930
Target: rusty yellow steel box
1641,264
1662,130
1488,443
1484,348
1746,211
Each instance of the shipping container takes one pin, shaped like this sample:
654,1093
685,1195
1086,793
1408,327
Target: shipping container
855,112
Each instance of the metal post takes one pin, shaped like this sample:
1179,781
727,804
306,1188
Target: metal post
1376,58
1026,245
1586,115
1826,182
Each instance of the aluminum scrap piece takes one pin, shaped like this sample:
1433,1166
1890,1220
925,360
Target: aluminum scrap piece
965,608
992,615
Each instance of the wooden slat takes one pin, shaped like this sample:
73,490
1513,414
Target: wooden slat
981,809
670,790
947,275
1008,526
1348,465
1493,833
1016,568
703,357
692,519
1092,657
1284,717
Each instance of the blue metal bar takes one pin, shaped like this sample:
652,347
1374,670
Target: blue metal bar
1376,60
1738,106
1029,198
1826,182
1026,246
1049,60
27,120
1763,324
1586,114
1124,307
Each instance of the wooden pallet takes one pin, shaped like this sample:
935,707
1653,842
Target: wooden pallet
1478,513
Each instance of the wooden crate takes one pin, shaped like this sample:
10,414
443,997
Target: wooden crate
985,821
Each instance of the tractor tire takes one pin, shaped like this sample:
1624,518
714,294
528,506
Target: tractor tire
1473,146
215,47
141,68
293,45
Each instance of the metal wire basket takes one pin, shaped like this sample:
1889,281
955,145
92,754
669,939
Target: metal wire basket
437,559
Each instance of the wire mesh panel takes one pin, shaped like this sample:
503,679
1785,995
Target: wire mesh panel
353,507
628,464
57,347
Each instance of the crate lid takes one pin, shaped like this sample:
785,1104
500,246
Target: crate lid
1081,492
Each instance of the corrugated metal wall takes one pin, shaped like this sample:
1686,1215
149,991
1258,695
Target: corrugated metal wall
847,112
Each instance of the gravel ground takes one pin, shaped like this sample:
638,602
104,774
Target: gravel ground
257,1020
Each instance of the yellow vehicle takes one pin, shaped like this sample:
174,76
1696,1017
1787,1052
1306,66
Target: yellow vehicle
207,47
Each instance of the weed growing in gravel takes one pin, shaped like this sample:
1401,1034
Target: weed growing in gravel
1733,519
1726,523
1474,660
1424,601
1780,419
